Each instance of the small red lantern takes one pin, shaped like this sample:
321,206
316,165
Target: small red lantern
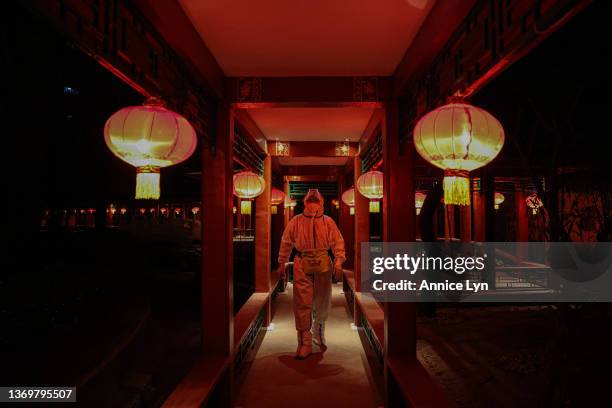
247,185
348,198
276,198
370,185
149,137
419,199
534,202
499,198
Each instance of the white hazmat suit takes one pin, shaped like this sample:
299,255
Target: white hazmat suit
311,292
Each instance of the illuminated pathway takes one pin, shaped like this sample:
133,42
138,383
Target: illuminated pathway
339,377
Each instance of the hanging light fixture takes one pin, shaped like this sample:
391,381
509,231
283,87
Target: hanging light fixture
419,199
499,198
534,202
276,198
247,186
348,198
149,137
370,185
458,138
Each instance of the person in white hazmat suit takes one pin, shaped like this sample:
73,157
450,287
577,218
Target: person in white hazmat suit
312,234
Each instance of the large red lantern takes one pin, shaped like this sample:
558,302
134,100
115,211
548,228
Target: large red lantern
247,186
348,198
370,185
149,137
276,198
458,138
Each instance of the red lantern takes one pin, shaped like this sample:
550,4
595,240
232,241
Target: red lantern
247,185
290,202
458,138
534,202
348,198
419,199
149,137
370,185
498,199
276,198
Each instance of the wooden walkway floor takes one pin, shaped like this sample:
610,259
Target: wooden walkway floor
338,377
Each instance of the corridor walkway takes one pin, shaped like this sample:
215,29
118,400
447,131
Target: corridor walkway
339,377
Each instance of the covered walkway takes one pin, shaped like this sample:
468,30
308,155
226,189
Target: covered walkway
285,97
342,371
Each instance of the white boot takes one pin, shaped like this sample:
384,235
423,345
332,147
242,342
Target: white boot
318,333
304,344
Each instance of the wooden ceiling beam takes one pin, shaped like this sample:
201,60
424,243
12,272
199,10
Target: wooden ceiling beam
314,148
174,26
258,92
437,29
322,172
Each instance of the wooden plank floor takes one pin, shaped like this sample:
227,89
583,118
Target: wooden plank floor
338,377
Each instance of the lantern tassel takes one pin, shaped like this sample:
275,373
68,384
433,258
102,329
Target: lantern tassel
456,190
147,183
245,207
375,206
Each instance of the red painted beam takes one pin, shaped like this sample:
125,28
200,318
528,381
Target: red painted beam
310,177
251,92
315,148
174,26
439,26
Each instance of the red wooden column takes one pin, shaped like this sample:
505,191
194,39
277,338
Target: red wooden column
287,212
478,213
347,227
217,248
465,219
522,222
398,226
263,267
362,234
